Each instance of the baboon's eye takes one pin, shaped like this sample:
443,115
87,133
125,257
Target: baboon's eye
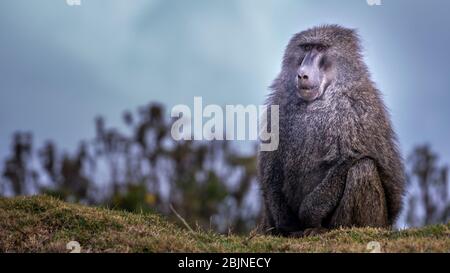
320,48
307,47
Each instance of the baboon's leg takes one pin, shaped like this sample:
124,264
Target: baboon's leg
269,226
363,202
267,222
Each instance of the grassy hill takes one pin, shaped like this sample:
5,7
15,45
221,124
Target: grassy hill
44,224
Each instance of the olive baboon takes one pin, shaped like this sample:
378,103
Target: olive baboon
337,163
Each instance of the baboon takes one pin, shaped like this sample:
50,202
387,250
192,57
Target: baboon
337,163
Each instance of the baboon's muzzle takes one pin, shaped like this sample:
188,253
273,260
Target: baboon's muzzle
309,76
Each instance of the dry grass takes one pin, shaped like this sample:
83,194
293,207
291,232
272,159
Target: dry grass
44,224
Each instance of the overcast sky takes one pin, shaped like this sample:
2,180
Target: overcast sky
60,65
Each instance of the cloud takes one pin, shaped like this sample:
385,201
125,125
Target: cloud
105,57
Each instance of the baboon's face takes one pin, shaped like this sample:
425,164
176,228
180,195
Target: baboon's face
315,72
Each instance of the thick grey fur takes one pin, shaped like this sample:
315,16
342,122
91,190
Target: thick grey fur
337,164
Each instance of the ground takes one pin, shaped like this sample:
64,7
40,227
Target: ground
44,224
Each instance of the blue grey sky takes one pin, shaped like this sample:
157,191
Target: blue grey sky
60,65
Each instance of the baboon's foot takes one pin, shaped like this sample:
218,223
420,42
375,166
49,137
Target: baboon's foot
314,231
296,234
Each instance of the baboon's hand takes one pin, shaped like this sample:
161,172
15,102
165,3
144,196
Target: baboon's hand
307,232
287,230
309,216
314,231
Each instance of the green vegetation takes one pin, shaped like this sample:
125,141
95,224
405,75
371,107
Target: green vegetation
45,224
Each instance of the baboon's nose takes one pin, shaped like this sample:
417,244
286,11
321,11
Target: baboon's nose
303,76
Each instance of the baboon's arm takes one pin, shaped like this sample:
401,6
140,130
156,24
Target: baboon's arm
325,197
271,178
